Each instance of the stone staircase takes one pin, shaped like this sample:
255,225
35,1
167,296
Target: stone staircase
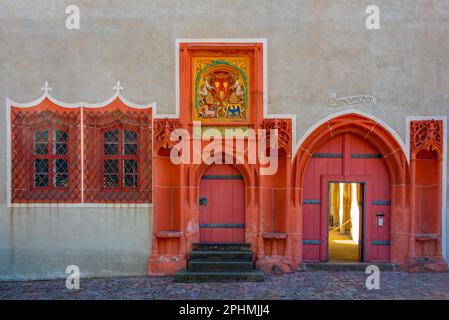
220,262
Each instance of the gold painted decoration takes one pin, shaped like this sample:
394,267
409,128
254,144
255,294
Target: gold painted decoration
221,89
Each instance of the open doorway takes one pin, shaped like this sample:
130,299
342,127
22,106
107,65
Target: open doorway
345,225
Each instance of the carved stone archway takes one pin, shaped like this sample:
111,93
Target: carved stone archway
405,235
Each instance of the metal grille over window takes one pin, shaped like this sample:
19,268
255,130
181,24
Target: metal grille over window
117,155
45,154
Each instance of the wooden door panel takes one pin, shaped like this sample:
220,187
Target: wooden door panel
327,160
367,161
222,218
345,156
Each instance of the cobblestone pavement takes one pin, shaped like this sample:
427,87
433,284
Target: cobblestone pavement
300,285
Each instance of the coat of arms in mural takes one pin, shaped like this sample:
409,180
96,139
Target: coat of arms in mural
220,91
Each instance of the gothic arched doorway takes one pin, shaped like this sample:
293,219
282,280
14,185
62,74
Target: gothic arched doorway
344,159
222,205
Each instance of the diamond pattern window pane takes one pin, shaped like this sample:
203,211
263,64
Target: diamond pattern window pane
41,135
111,136
110,149
61,135
111,181
130,166
130,136
60,166
41,180
40,148
130,173
130,181
111,166
60,180
60,148
41,165
130,149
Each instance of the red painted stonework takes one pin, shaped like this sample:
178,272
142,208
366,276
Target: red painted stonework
177,187
274,221
406,224
426,144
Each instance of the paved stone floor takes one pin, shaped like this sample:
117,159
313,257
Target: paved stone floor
301,285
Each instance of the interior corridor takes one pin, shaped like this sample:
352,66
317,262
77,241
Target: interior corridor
345,207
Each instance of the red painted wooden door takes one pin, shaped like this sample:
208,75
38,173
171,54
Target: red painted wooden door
222,205
347,158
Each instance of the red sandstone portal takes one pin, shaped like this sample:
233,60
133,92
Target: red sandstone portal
274,209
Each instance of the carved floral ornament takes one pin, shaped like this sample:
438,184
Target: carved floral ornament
426,135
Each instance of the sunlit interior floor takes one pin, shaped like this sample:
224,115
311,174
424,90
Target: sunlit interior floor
342,248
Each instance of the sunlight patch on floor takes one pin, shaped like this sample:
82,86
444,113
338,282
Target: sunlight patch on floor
342,247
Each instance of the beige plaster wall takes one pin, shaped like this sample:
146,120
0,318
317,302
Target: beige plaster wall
37,243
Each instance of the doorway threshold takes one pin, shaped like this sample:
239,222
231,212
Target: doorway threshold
347,266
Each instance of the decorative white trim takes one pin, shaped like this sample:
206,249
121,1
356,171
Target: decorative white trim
82,153
81,105
117,94
350,111
8,152
444,178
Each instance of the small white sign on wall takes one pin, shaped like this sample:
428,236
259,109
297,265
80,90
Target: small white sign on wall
351,100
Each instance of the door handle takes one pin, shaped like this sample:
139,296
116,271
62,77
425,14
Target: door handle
203,201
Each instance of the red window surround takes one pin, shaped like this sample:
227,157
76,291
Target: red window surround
117,154
45,154
49,166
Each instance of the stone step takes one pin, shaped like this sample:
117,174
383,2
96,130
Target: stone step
244,255
219,262
219,266
346,266
187,276
221,246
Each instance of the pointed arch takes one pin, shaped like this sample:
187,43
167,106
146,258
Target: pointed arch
388,142
348,112
393,153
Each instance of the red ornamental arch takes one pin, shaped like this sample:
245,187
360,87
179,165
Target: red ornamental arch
396,163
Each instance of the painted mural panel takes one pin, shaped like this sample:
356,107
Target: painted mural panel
220,90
